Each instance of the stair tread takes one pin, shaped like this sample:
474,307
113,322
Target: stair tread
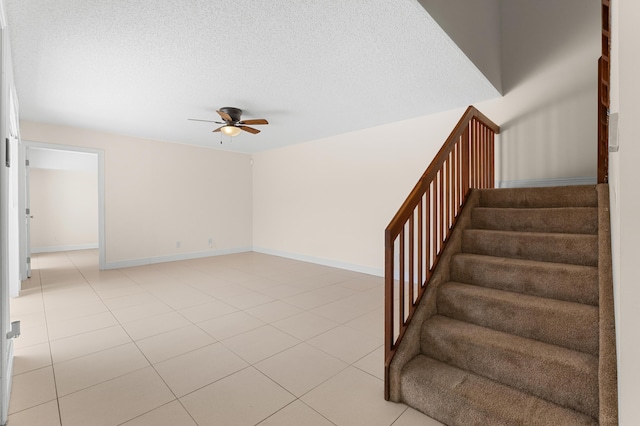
567,324
561,281
564,196
578,249
560,375
578,220
552,235
528,262
457,397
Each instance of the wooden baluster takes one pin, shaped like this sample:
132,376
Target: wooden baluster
448,194
401,286
465,162
428,232
487,151
483,156
389,318
434,223
441,208
472,154
456,183
420,242
478,156
411,261
493,160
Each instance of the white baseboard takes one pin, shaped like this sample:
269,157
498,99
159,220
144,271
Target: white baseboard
50,249
326,262
198,255
534,183
173,257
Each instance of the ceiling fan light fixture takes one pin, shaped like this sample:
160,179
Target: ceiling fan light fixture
231,130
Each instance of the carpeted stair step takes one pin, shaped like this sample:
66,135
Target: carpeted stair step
571,283
577,249
561,196
567,324
569,220
459,398
562,376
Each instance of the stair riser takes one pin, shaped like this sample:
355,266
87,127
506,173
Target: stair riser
561,248
569,325
559,220
563,377
457,398
563,282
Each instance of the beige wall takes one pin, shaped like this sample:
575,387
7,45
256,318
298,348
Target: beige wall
159,193
330,200
64,205
625,205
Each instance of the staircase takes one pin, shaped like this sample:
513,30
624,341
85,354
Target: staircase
512,334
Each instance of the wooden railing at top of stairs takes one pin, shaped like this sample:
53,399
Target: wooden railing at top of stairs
417,234
604,79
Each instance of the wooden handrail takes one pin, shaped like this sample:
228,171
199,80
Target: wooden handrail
604,79
422,226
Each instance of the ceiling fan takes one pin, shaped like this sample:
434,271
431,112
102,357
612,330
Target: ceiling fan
233,123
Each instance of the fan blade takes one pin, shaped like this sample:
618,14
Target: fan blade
219,128
249,129
225,116
256,121
208,121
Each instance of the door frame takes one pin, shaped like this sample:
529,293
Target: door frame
101,209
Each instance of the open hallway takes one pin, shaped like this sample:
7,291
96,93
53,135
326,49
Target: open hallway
241,339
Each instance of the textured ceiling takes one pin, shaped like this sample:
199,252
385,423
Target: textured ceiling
312,68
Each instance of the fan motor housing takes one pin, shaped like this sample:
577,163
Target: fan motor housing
234,113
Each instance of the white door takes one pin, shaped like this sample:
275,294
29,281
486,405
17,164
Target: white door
9,248
9,220
25,214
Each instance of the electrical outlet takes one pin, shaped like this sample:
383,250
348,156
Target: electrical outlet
178,244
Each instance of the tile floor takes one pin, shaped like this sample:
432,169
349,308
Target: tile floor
242,339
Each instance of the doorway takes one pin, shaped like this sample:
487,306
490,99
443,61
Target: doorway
64,200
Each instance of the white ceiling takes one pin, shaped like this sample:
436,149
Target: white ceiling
312,68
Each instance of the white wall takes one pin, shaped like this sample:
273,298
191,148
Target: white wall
624,178
475,28
159,193
64,206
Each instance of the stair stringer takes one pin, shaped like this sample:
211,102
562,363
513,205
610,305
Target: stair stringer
607,362
410,345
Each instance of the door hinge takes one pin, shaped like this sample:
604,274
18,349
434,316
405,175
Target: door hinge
28,211
29,260
26,163
7,153
15,330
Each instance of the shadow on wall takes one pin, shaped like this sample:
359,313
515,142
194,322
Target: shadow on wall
536,34
558,137
548,115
